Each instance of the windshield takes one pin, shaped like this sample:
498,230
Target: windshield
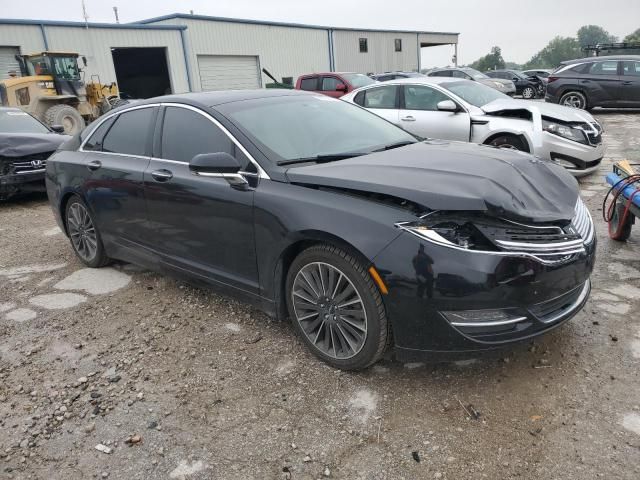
474,93
473,73
66,67
16,121
358,80
307,126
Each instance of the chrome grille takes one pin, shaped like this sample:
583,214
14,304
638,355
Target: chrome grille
30,166
26,164
582,222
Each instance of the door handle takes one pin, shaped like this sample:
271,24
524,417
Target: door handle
408,118
94,164
162,175
627,82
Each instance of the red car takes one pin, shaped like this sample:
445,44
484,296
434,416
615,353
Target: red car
333,84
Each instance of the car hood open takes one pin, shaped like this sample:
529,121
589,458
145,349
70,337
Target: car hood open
16,145
550,110
455,176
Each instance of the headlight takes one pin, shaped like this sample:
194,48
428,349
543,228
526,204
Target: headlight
449,230
499,85
565,131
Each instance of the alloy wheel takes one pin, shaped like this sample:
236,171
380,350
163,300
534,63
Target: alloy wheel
528,93
82,232
329,310
574,101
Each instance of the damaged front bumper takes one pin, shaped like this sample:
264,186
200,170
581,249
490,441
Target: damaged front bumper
19,175
577,158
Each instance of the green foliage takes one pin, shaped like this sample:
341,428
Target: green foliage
594,34
491,61
633,37
558,50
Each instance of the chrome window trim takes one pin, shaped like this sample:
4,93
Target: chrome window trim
261,172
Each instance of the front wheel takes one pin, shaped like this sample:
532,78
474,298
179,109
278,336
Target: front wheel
84,236
574,99
529,93
336,308
510,142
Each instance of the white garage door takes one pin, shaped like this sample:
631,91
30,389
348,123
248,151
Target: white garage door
8,61
227,72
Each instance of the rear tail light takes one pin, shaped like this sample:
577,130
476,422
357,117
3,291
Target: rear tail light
551,78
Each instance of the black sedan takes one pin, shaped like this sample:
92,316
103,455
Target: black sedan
527,86
25,145
315,209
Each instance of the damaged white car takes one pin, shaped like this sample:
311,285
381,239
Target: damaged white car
456,109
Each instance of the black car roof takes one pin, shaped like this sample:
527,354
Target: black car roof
603,57
227,96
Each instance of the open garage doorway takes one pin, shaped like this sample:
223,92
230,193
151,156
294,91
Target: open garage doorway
141,72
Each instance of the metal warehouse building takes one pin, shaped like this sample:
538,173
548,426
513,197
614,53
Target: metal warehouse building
183,52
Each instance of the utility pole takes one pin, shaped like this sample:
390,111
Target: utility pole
115,12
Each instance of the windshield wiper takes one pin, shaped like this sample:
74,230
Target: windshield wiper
391,146
322,158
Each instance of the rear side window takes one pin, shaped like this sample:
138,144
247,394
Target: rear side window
186,133
381,97
458,74
631,68
94,144
359,99
604,68
130,133
309,84
441,73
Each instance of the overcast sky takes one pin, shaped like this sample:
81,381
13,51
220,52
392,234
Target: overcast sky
521,28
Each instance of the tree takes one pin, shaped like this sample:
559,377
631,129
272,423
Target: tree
491,61
558,50
633,37
594,34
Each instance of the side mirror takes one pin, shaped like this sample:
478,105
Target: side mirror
515,79
214,163
447,106
221,165
57,128
84,60
341,87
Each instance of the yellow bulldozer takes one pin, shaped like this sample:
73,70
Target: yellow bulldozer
51,87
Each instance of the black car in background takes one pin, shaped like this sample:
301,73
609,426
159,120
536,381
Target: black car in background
608,81
385,77
318,210
540,73
25,145
527,86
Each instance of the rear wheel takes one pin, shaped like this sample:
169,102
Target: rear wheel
574,99
529,93
509,141
620,229
85,238
65,115
336,308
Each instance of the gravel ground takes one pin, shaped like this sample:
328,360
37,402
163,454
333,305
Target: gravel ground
123,373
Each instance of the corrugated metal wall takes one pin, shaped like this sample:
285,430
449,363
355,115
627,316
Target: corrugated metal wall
96,44
26,37
381,56
284,51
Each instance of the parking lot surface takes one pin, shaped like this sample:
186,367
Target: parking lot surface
123,373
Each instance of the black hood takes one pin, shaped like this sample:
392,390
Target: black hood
23,144
456,176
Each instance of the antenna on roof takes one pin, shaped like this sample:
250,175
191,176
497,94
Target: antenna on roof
115,12
85,15
190,12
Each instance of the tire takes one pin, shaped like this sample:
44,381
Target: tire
320,280
83,234
67,116
574,99
509,141
614,224
528,93
118,102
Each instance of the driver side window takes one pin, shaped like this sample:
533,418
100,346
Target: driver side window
381,97
186,133
422,98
